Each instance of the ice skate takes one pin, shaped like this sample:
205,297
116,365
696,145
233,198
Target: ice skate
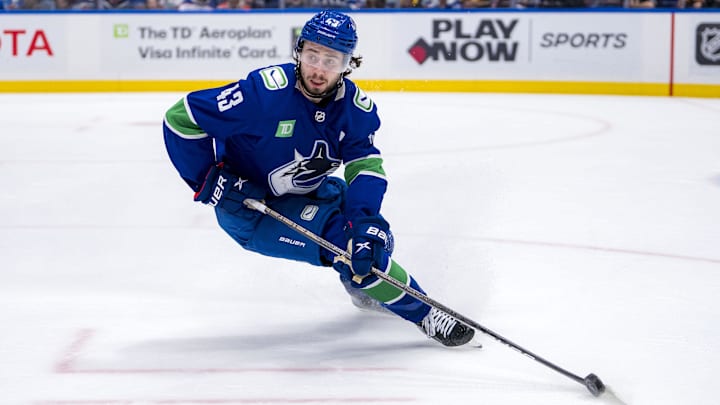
445,329
362,301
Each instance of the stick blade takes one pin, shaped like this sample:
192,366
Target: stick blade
594,384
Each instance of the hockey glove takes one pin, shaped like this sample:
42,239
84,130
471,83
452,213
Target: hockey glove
225,190
370,245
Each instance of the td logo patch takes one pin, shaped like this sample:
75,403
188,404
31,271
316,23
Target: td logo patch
285,129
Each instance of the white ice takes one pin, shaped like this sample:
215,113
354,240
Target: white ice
586,229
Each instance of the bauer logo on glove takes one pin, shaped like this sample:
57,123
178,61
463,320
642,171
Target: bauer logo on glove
216,192
377,232
372,245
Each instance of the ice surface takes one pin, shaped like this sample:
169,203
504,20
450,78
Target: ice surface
584,228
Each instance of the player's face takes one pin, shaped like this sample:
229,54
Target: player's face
320,67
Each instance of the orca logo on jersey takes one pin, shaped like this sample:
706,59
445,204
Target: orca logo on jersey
304,173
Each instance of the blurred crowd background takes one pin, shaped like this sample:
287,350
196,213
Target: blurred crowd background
210,5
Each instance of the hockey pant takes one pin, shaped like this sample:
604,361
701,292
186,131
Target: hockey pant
321,213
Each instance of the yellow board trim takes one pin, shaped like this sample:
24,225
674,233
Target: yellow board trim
80,86
696,90
451,86
480,86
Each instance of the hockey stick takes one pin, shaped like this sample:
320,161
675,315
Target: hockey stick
592,382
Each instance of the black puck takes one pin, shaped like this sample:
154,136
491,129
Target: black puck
594,384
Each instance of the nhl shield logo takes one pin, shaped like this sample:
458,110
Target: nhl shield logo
707,44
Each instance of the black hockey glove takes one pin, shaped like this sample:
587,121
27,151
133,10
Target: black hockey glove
370,245
226,190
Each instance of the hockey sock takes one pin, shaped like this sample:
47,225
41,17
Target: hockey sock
396,300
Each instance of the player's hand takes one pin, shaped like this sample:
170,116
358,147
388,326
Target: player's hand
226,190
370,245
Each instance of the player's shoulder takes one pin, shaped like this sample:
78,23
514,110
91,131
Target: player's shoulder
358,101
273,79
359,109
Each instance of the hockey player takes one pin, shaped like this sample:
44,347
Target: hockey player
277,136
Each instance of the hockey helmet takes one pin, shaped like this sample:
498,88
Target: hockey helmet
332,29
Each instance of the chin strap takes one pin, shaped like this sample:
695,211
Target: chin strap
322,96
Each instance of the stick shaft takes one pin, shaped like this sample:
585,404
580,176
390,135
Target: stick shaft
257,205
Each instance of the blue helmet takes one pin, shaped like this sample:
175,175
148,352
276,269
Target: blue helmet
330,28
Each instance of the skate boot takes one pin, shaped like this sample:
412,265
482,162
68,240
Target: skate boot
445,329
364,302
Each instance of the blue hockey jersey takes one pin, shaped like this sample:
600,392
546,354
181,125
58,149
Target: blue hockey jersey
266,131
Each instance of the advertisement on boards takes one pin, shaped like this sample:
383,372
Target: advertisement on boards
530,46
707,44
468,40
32,47
195,46
590,47
697,48
603,46
457,45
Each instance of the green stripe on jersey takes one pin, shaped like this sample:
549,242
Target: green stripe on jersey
178,119
386,292
373,165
